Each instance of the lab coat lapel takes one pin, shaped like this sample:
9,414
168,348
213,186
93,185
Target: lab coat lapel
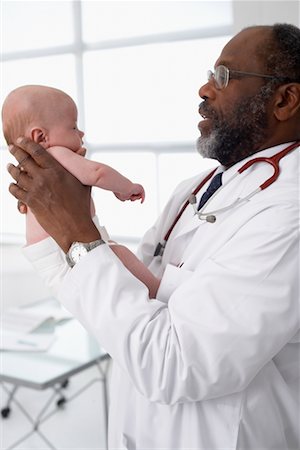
239,187
172,253
224,197
178,201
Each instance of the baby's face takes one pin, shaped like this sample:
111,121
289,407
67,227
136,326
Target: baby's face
64,131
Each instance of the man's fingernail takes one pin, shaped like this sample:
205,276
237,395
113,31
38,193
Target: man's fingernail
19,140
10,147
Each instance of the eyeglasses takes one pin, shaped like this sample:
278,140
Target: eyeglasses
222,75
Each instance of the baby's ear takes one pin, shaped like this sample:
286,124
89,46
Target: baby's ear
39,136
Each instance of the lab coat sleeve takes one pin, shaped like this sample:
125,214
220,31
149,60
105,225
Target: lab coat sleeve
49,260
221,325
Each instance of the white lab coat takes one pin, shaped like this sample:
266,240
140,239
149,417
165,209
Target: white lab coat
213,362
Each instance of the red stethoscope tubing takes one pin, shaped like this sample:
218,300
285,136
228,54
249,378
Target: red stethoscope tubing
274,161
185,205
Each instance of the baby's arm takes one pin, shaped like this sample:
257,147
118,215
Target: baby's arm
93,173
137,268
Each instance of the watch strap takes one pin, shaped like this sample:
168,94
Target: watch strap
87,245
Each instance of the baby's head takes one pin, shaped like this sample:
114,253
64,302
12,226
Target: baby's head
44,114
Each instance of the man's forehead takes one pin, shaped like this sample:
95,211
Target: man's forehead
241,50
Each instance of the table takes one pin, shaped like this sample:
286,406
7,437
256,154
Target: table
73,351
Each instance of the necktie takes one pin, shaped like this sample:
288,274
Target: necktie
215,183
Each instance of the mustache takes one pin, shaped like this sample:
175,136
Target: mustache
206,111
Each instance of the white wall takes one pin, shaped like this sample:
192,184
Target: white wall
19,282
265,12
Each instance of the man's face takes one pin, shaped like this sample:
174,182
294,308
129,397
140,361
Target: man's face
236,119
237,133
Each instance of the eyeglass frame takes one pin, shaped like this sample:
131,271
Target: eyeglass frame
229,72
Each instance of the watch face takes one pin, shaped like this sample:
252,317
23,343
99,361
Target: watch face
77,252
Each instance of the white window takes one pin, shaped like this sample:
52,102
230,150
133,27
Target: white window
134,69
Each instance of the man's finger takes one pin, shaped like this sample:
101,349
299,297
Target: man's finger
13,171
21,177
18,192
38,154
23,161
22,207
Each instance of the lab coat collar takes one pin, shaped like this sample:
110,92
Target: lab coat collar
225,195
262,153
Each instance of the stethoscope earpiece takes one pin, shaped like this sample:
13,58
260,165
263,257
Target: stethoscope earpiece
211,219
192,199
208,217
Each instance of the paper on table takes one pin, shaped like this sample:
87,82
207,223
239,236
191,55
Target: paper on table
19,320
29,317
26,342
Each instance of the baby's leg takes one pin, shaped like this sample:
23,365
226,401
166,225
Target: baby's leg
34,231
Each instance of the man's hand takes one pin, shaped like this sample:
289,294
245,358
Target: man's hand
22,207
59,201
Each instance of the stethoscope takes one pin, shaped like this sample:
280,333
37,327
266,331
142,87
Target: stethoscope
210,217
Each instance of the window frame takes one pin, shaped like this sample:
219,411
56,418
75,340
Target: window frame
78,48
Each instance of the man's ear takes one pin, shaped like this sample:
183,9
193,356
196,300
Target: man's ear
287,101
39,135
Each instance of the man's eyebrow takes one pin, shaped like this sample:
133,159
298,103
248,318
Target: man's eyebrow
221,62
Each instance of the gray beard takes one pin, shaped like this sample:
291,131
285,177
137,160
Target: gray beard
206,146
240,133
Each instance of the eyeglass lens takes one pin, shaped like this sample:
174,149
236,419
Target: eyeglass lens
220,76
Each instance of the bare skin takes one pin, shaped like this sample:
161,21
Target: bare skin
84,230
48,116
37,176
57,198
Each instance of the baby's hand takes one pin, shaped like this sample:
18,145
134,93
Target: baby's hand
137,192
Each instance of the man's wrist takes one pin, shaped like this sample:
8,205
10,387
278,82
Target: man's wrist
80,249
87,236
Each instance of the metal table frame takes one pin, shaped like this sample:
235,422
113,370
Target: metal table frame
95,357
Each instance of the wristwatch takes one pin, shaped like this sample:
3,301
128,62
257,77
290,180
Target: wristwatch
80,249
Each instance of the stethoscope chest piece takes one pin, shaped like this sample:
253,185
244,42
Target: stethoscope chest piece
159,250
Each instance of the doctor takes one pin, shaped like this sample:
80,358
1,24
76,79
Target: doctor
212,362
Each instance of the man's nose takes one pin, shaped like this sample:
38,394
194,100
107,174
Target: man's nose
207,90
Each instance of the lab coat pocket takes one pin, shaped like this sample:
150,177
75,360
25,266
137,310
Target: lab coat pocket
173,277
219,422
